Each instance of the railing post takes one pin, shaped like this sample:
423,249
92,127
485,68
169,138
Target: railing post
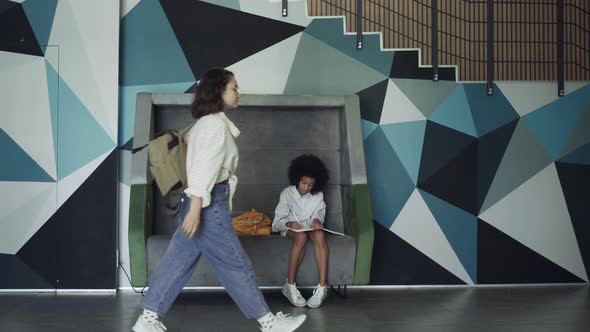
285,10
434,48
560,48
490,80
359,24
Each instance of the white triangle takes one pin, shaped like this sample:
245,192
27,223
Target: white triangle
10,61
102,46
397,108
88,58
15,194
526,97
297,11
536,215
25,115
127,6
570,87
416,225
267,71
24,221
68,185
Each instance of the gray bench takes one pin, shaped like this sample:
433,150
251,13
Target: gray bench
274,130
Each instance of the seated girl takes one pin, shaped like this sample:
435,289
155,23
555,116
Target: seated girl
300,216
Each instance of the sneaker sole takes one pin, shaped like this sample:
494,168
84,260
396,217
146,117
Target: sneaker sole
297,305
316,306
312,306
301,323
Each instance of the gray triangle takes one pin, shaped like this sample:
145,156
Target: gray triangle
320,69
425,94
524,157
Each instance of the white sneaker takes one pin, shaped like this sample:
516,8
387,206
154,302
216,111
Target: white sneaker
319,295
292,294
283,323
148,325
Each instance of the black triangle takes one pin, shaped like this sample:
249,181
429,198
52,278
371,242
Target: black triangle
6,5
503,260
490,150
395,262
575,183
441,144
17,275
371,101
216,36
456,182
77,245
127,146
192,88
16,34
405,65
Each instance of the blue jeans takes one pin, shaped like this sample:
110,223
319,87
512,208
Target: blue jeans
216,240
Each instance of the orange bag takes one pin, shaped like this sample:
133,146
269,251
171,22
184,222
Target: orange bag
252,223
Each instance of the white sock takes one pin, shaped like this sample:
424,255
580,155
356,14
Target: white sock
264,320
149,315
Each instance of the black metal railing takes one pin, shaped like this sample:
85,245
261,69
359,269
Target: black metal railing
487,39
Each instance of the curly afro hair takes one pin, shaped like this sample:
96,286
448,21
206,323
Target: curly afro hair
311,166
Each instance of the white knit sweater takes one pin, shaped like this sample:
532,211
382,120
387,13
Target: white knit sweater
212,156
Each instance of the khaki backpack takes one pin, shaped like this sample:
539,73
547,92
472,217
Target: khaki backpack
167,162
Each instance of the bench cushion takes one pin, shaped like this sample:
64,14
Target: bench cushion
270,259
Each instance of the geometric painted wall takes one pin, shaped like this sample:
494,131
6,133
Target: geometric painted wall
465,188
58,134
472,189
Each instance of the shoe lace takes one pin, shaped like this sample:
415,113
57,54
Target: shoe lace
298,294
280,314
266,326
318,292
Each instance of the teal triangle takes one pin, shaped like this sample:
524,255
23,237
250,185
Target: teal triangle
80,138
389,184
460,229
367,128
454,112
553,123
17,165
331,32
488,112
127,102
150,52
406,139
579,136
579,156
52,92
40,14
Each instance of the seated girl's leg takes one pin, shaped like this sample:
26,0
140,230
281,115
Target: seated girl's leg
321,253
296,254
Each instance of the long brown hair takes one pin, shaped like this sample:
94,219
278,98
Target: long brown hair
208,94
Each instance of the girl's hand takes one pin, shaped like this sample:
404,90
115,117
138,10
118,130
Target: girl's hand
191,223
316,224
294,225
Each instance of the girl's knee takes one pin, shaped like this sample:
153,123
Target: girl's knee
318,237
300,239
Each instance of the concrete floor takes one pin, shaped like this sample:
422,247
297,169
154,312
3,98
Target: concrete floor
494,309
